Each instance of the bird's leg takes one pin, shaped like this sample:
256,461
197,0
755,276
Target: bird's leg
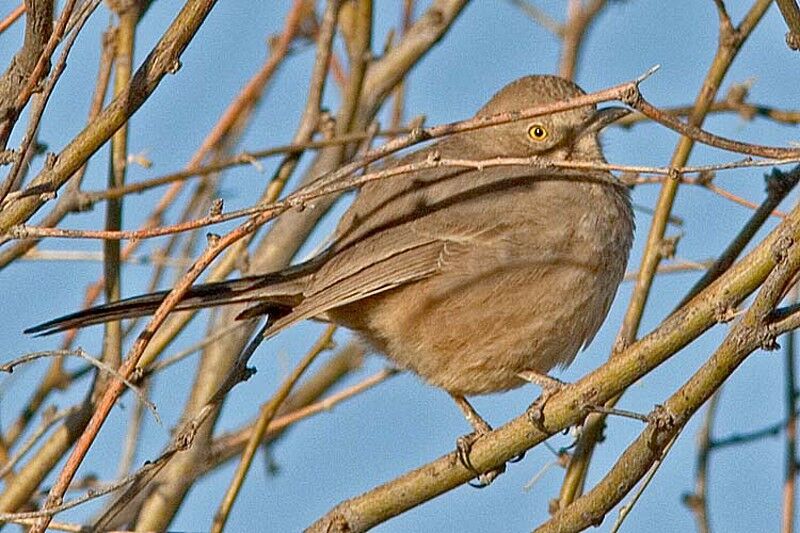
465,442
475,420
550,387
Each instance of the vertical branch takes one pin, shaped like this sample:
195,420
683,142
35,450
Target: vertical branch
55,377
127,12
579,19
790,458
697,501
731,40
398,102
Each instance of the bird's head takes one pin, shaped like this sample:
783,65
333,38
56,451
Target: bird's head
570,135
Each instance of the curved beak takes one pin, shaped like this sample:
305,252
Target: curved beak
603,117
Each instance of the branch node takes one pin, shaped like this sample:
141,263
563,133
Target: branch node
175,66
50,160
669,246
216,207
705,177
419,134
779,183
185,438
766,340
793,40
724,312
326,124
83,201
20,231
781,246
8,157
737,94
693,501
631,96
661,418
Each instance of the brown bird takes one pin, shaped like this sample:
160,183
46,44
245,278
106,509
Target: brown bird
476,279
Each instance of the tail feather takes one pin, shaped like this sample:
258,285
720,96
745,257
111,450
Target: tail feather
275,290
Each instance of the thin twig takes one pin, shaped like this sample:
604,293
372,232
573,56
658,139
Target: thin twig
81,353
49,418
626,509
266,415
779,185
96,257
302,197
539,17
697,501
231,445
12,17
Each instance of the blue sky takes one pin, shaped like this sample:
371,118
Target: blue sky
405,423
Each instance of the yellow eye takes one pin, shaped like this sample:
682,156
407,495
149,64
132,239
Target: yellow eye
537,132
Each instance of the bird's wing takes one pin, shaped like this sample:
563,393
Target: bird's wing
374,265
404,234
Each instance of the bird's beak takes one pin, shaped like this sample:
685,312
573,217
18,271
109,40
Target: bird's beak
603,117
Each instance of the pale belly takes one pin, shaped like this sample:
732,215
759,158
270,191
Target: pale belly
474,335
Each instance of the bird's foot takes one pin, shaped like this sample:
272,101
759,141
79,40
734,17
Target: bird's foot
550,387
464,443
463,448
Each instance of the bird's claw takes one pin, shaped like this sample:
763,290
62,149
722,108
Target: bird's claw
463,448
550,387
517,459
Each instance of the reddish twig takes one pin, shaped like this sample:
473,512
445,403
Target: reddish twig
12,17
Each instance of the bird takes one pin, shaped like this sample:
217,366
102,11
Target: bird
478,279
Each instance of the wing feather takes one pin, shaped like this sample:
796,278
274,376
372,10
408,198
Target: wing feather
411,264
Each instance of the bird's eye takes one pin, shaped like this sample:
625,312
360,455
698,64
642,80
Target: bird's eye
537,132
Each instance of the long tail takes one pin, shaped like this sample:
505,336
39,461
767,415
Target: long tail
271,290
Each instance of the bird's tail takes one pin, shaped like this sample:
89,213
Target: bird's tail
272,291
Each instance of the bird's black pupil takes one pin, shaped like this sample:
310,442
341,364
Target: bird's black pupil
538,132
